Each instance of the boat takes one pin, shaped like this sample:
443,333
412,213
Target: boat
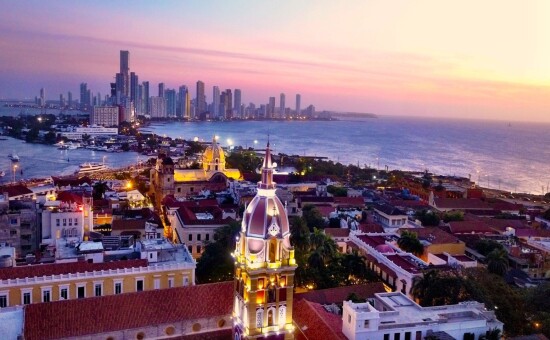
89,167
13,156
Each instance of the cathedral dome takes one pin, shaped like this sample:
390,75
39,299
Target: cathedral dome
213,157
265,216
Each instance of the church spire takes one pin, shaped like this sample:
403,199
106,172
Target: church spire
267,171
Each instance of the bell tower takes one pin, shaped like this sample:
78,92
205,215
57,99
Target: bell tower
264,266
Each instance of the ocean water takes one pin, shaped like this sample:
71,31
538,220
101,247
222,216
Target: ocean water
513,157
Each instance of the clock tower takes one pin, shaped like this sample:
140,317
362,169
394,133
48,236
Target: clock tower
264,266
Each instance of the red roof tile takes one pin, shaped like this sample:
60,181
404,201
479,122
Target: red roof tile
433,235
128,224
339,294
22,272
470,227
15,190
350,201
461,203
337,232
74,318
314,322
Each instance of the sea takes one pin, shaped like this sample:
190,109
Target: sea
500,155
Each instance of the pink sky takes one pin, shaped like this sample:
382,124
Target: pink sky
467,59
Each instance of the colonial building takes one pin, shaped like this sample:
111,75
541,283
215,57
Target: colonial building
213,176
264,267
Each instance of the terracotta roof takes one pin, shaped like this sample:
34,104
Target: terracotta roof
128,224
325,210
68,197
461,203
434,235
388,209
22,272
72,318
15,190
371,228
339,294
337,232
469,227
350,201
314,322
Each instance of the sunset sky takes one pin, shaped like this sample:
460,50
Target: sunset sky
470,59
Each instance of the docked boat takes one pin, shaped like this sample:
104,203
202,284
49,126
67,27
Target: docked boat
90,167
13,156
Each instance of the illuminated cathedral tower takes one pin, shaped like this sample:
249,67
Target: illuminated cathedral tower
264,266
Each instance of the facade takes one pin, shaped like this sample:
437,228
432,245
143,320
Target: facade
166,180
66,220
264,267
157,107
125,72
237,103
19,225
200,102
389,217
392,316
105,116
92,131
216,102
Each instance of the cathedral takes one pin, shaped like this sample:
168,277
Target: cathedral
264,266
167,180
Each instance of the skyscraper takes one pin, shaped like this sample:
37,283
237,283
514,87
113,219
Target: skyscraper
134,86
271,108
216,102
42,97
229,107
146,109
70,98
298,103
125,72
201,98
84,99
170,97
61,100
184,102
237,104
282,106
161,90
158,107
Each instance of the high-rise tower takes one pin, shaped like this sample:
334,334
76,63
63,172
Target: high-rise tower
282,106
216,102
125,73
298,103
237,103
201,99
265,265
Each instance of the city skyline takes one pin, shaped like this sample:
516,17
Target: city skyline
430,59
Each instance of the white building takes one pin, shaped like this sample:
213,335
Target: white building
92,131
389,217
393,316
66,220
104,116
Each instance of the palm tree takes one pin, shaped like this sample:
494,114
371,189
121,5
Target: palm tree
409,242
99,190
493,334
497,262
354,266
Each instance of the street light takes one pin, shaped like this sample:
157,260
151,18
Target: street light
14,168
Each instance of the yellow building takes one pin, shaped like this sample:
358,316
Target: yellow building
162,265
265,265
213,176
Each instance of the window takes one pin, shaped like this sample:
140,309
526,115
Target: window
190,248
186,281
349,318
46,295
191,189
76,221
199,249
70,221
64,293
386,337
64,222
139,285
118,287
407,335
98,288
13,232
3,301
57,222
13,221
27,298
207,237
81,292
170,282
198,237
156,283
190,237
366,324
179,189
396,336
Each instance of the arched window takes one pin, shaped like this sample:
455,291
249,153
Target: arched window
282,315
270,317
259,318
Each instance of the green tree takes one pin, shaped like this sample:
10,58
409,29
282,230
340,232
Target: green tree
313,217
409,242
216,263
485,246
493,334
32,135
86,138
299,234
337,191
50,137
497,262
451,216
99,190
427,218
